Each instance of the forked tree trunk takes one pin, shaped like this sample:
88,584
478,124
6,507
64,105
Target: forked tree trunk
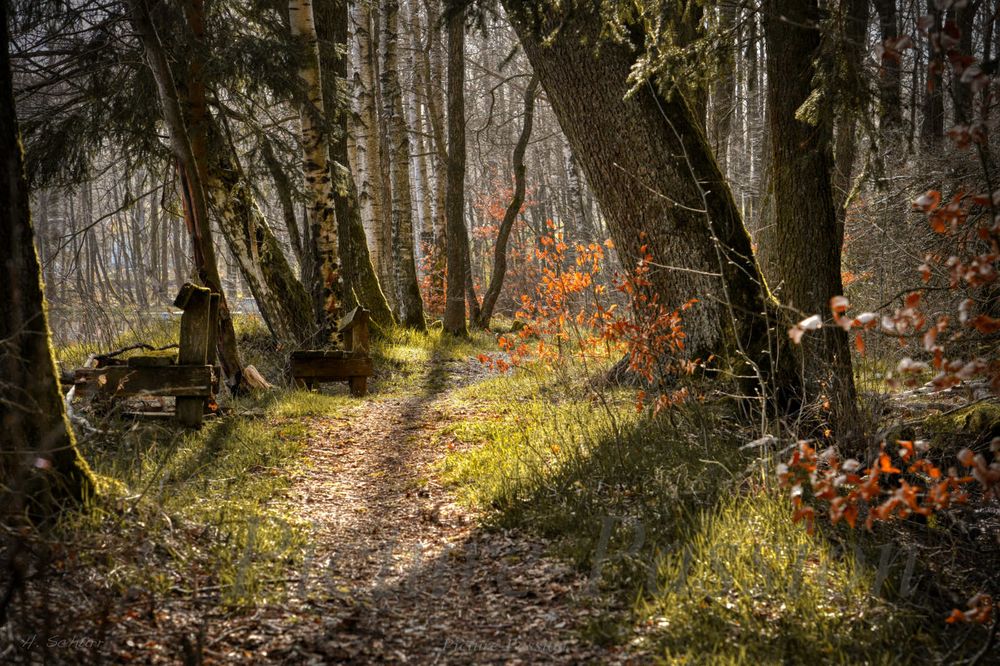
651,168
325,280
409,305
458,239
39,462
513,210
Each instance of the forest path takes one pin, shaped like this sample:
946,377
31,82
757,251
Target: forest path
401,571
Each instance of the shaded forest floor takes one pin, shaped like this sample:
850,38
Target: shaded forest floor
461,515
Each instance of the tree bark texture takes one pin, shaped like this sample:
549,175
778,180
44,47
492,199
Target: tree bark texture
326,286
458,239
39,462
409,305
808,246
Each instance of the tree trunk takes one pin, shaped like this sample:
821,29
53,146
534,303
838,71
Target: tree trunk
284,303
39,462
932,123
513,210
191,178
409,306
890,82
361,284
808,246
724,91
283,188
325,281
650,167
431,78
846,147
374,197
458,241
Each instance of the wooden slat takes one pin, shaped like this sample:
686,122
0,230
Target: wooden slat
331,370
196,338
122,381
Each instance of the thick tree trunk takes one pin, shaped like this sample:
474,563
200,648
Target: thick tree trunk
361,284
39,461
513,210
409,306
808,245
191,175
459,271
651,168
325,280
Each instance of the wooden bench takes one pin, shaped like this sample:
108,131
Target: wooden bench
190,375
351,364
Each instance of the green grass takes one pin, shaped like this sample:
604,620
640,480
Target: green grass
207,505
690,549
407,360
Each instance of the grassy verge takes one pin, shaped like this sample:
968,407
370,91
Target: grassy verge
690,548
183,511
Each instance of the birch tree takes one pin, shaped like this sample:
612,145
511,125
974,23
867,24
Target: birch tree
325,280
409,304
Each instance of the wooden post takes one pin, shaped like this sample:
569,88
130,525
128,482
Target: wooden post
359,341
196,302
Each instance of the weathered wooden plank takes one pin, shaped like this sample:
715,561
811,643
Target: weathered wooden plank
122,381
354,328
331,370
194,343
213,329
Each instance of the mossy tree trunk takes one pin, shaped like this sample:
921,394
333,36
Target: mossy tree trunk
39,462
651,169
283,301
807,235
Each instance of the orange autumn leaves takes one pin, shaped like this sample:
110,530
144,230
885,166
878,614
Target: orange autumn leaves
897,485
578,309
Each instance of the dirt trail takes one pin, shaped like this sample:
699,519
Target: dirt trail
403,574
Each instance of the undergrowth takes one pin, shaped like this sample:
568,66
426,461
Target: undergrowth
689,545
